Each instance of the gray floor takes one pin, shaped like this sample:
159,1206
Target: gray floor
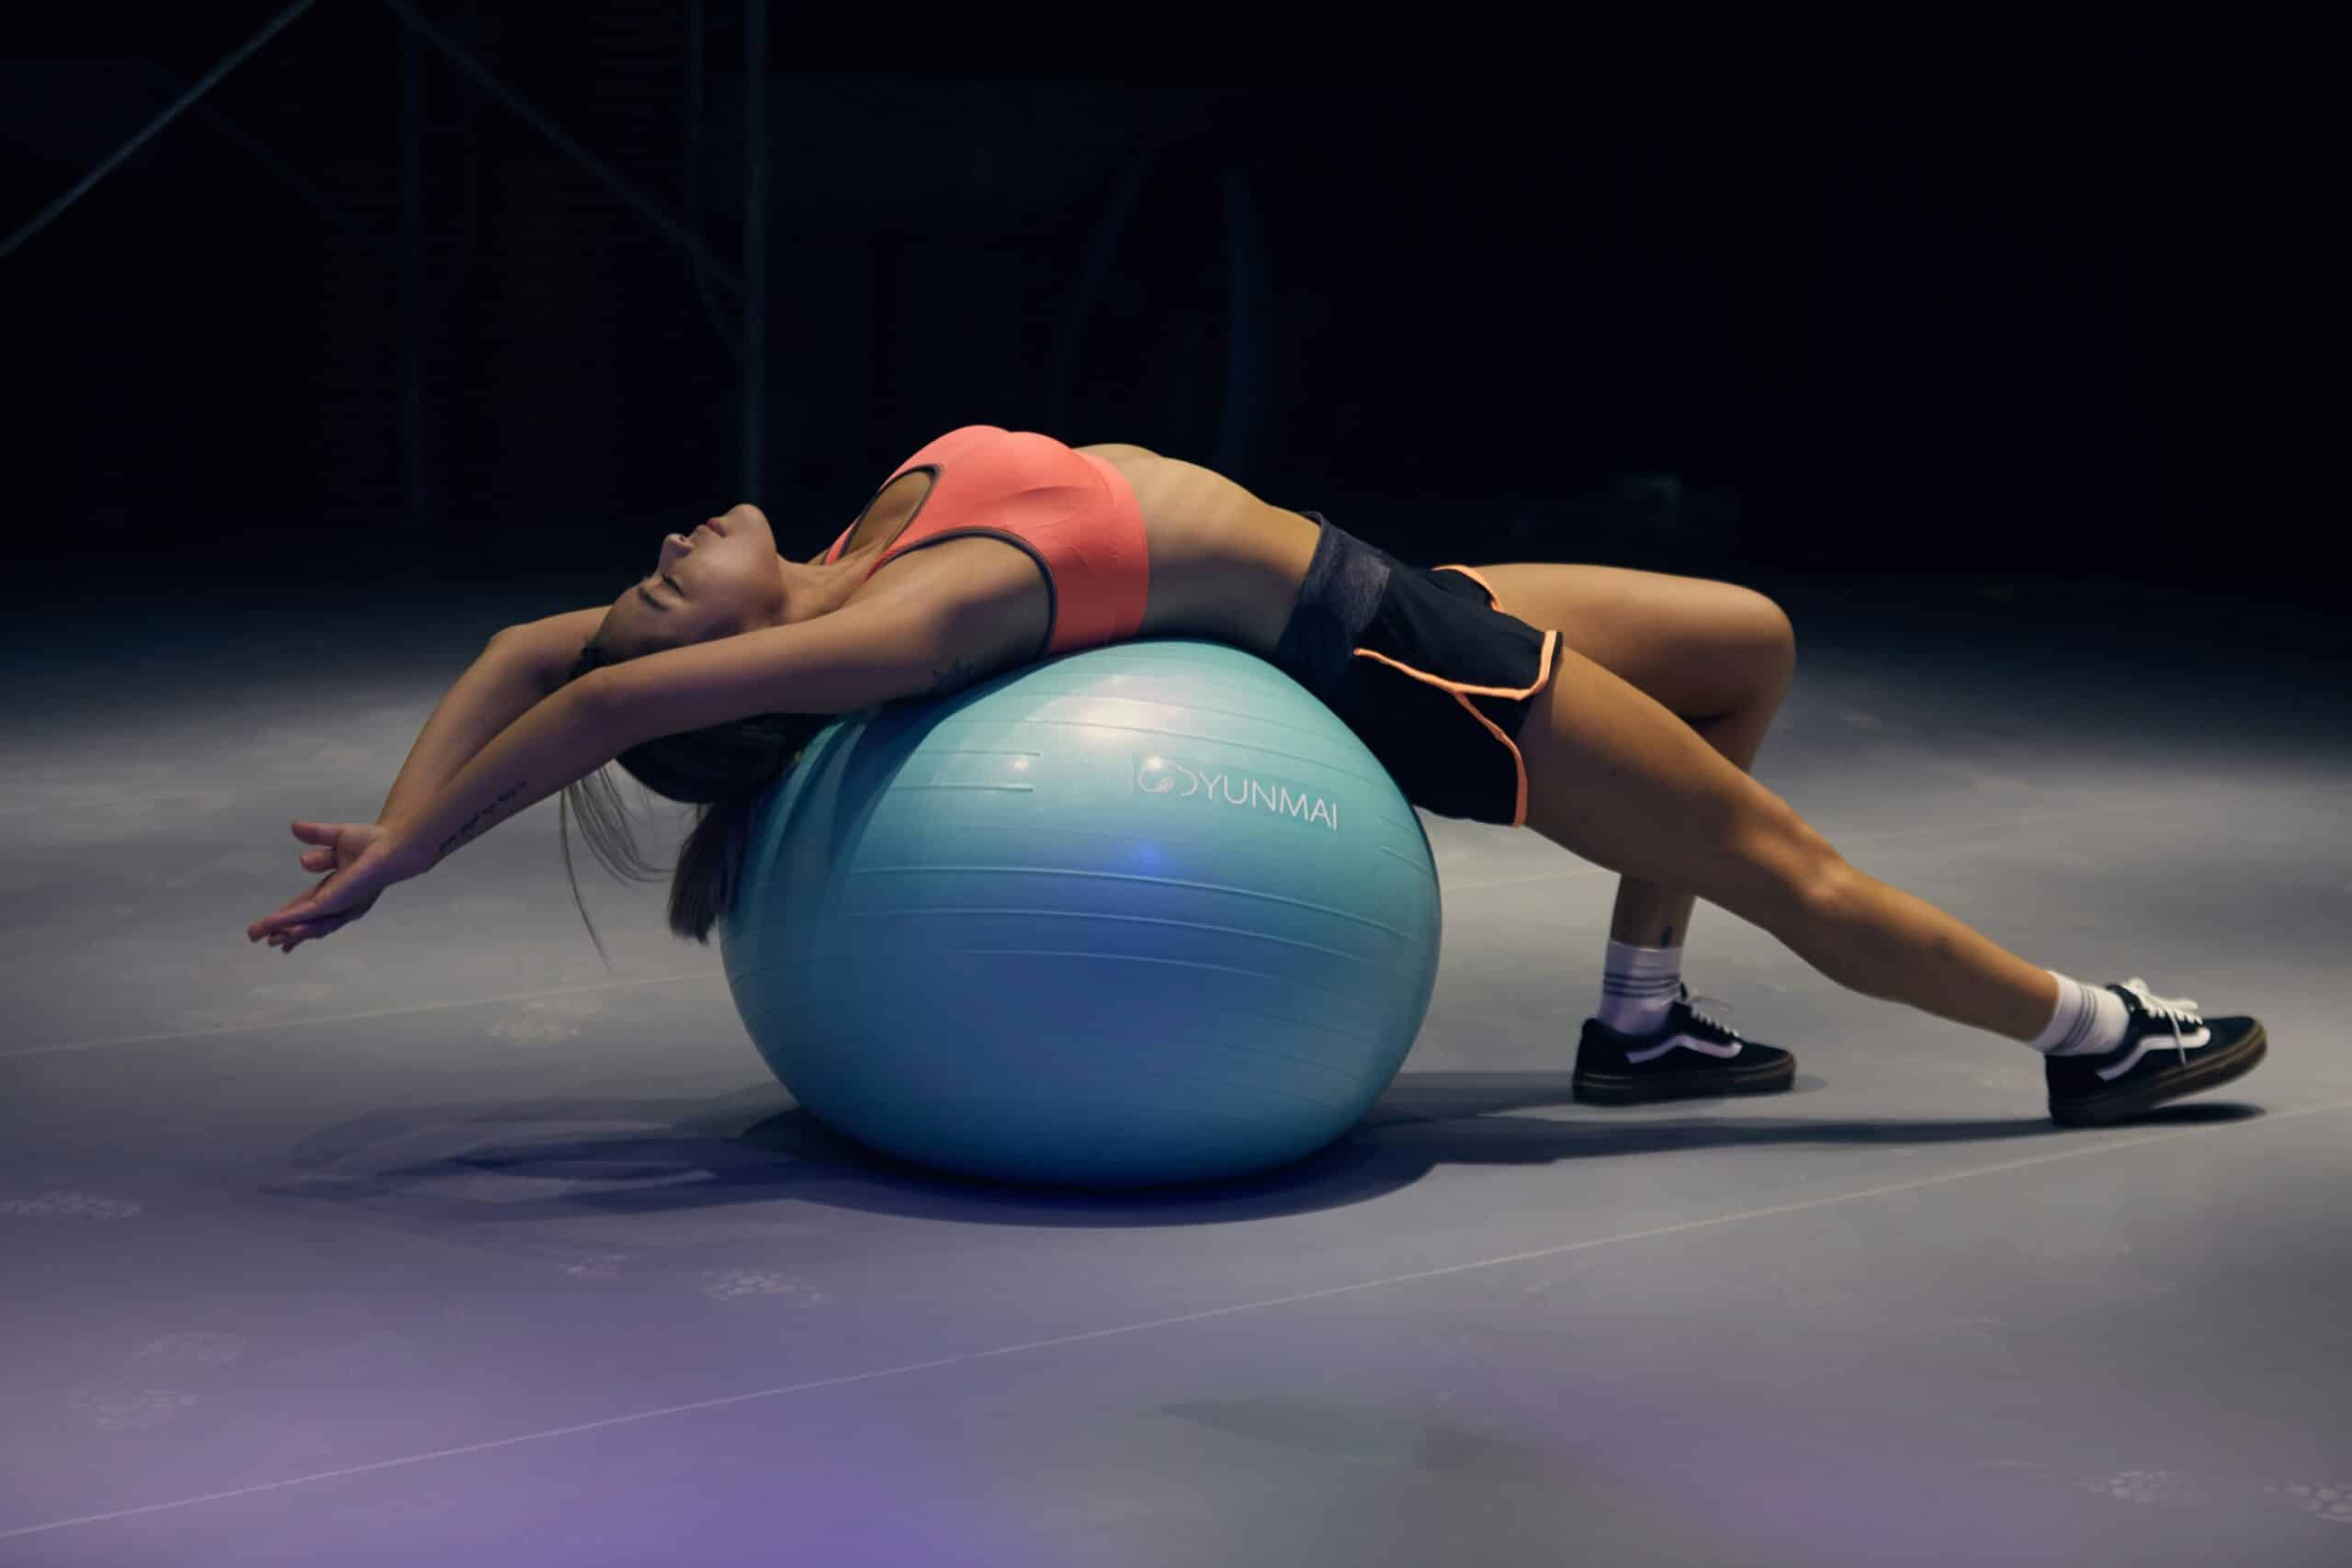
436,1243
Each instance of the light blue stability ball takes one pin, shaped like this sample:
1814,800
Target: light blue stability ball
1142,914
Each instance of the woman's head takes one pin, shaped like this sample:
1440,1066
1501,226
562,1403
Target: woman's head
723,579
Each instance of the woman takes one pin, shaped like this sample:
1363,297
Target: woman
1614,712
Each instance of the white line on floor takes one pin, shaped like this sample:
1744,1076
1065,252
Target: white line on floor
1200,1317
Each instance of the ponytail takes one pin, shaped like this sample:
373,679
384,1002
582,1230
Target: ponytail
725,770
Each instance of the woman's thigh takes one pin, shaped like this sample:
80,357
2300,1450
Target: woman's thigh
1701,647
1615,778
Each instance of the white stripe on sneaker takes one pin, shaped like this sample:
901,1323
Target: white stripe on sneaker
2154,1043
1726,1051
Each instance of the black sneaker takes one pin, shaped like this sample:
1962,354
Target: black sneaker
1688,1056
2168,1050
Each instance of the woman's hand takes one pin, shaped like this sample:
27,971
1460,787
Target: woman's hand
364,858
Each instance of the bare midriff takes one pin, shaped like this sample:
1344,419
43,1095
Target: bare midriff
1225,565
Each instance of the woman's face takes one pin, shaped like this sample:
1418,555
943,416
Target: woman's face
722,578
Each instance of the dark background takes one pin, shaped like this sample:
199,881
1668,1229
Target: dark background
2000,321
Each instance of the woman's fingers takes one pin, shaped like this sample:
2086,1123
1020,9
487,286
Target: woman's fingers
301,930
333,843
360,862
293,936
293,912
327,840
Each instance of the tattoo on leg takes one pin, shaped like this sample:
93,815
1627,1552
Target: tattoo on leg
473,826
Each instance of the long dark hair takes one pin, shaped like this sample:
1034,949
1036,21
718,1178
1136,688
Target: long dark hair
722,771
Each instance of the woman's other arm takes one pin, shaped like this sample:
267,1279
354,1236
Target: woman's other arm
519,665
866,652
850,659
833,663
565,736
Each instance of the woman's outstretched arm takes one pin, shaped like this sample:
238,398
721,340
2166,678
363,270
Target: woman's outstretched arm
563,737
514,670
497,689
832,663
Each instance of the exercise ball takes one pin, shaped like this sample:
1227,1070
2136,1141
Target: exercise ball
1142,914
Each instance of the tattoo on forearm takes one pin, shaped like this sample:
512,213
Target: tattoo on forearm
474,826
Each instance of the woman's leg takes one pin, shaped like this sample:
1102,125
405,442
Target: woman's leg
1616,779
1650,914
1719,656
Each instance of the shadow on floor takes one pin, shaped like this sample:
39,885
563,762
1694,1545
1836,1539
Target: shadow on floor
661,1157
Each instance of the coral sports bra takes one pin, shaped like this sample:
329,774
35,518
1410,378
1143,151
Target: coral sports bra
1074,513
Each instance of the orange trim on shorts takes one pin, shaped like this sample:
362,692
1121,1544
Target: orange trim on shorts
1462,693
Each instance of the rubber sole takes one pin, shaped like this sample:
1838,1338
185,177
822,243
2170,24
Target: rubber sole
2096,1111
1620,1089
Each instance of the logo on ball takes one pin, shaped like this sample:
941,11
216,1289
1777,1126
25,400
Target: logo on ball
1214,786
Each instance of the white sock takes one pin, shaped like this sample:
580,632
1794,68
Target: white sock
2089,1020
1639,985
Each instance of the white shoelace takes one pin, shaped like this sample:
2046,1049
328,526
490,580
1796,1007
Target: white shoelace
1692,1003
2173,1011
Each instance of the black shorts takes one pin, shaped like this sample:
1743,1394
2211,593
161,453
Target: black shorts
1427,668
